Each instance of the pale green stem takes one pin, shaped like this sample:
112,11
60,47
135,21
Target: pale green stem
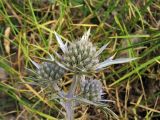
73,86
69,105
69,111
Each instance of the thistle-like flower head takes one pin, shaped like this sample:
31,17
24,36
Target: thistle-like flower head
50,71
91,90
82,56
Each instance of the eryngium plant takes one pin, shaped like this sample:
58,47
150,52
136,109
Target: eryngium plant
79,57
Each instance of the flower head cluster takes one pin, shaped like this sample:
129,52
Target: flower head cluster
79,57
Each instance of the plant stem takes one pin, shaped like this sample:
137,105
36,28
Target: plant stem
73,86
69,110
69,105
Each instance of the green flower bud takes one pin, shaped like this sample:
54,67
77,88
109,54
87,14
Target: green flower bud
50,72
80,56
91,90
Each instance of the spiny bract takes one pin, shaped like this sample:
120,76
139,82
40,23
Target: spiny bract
91,90
50,71
80,56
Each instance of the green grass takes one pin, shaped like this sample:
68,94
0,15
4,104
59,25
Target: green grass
131,26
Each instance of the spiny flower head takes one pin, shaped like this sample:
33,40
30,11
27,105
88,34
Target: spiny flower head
50,72
91,90
82,56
